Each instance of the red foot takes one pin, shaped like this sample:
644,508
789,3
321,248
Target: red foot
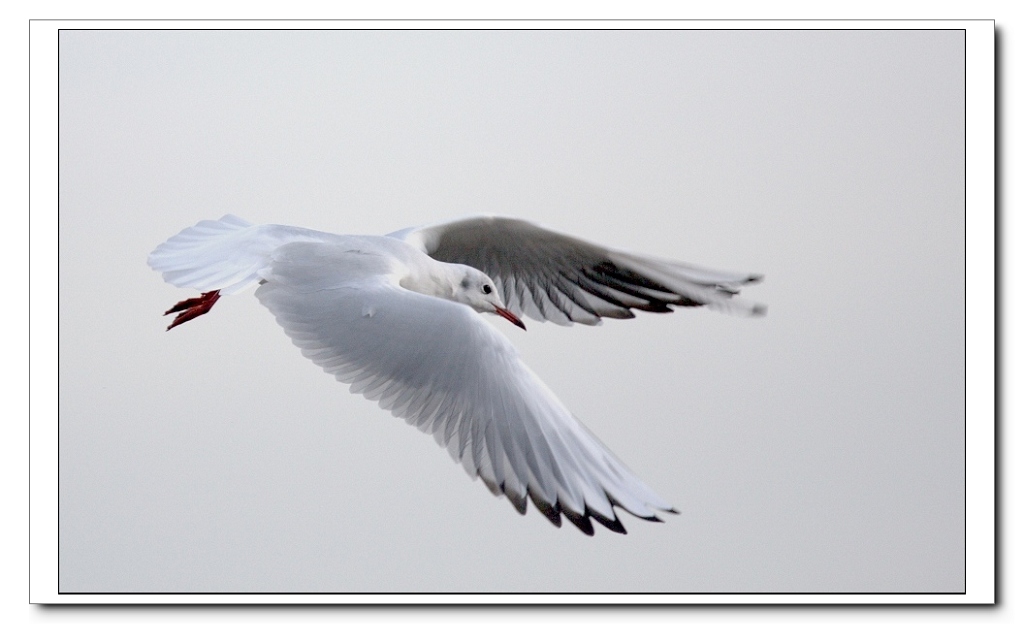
192,308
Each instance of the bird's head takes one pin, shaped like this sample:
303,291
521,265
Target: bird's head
477,290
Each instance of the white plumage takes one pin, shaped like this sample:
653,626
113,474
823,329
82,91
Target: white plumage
396,318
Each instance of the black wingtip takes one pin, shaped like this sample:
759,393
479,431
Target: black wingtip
550,512
651,518
582,523
519,502
608,523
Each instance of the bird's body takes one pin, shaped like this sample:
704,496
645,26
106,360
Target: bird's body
396,318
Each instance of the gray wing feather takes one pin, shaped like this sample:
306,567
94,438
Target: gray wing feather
554,277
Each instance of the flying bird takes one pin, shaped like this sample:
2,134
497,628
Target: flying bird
396,318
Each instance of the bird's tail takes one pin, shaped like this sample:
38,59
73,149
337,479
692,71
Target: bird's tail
211,255
226,255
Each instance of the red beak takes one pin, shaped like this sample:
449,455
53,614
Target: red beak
507,314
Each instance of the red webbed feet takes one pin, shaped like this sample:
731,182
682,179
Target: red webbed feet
192,308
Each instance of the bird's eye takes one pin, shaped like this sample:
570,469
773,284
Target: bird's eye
487,289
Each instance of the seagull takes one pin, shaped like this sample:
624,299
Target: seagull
396,318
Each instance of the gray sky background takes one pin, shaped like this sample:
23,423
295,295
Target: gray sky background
819,449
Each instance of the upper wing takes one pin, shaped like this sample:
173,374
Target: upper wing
551,276
442,368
